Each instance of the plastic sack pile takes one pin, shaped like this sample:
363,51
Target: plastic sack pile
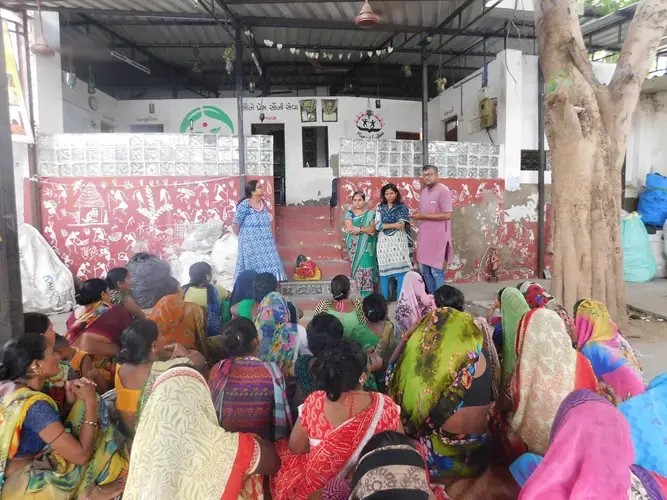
207,243
638,261
653,202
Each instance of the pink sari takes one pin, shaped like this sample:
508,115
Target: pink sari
333,451
414,303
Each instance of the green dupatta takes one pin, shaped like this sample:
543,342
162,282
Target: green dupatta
365,242
513,307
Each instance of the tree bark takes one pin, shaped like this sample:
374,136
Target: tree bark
587,125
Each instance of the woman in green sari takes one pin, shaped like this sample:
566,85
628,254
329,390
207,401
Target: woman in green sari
513,306
360,241
443,384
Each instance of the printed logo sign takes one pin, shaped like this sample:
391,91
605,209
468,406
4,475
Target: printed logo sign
207,120
369,125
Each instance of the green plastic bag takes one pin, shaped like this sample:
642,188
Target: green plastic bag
638,262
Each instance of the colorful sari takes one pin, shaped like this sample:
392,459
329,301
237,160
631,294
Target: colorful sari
590,456
383,346
180,451
536,296
414,302
547,370
334,451
494,360
250,396
49,476
214,310
350,320
613,359
243,287
278,337
55,386
361,249
430,381
647,416
513,307
393,246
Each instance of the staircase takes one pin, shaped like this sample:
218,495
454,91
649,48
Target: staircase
310,231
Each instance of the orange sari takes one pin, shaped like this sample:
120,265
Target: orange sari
180,322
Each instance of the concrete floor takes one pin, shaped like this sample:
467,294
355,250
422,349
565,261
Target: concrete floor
650,297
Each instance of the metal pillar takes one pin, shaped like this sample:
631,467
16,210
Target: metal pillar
239,105
424,104
35,209
540,172
11,305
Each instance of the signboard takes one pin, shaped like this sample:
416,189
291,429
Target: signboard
18,117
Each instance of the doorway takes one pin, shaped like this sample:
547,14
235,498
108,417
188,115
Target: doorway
277,130
452,129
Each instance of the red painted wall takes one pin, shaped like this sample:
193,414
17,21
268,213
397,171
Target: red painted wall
97,223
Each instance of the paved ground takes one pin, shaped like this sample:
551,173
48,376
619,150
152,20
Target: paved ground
648,337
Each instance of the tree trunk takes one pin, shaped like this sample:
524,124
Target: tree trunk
587,125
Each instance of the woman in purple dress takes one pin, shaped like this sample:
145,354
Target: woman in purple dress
252,224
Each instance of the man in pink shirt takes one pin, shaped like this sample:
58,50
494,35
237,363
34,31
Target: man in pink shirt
434,242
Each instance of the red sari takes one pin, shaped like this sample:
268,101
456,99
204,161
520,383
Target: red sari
334,451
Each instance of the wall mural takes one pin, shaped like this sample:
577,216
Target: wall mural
98,223
207,120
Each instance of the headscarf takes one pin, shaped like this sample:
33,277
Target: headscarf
180,451
611,355
85,316
277,335
243,287
512,306
213,309
394,472
179,321
537,296
545,374
590,454
414,302
647,416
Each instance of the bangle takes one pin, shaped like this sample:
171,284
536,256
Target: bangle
90,422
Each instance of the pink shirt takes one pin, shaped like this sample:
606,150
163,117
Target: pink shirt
434,242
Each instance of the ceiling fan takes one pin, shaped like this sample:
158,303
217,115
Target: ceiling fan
367,18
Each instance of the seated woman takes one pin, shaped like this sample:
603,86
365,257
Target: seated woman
249,395
119,281
442,383
138,363
264,284
41,457
39,323
200,291
378,337
513,307
334,425
349,311
280,341
322,331
414,302
590,456
95,327
614,361
536,296
243,294
547,370
192,458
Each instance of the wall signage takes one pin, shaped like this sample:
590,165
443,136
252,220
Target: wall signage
369,125
207,120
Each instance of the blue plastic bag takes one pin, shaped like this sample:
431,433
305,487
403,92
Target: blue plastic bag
638,262
653,202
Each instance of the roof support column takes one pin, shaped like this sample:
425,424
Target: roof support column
424,104
239,105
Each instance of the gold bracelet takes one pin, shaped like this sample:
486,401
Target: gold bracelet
89,422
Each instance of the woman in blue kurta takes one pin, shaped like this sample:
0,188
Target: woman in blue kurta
252,224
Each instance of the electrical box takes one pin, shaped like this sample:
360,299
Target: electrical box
487,113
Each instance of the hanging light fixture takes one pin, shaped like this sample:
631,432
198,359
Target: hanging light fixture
91,81
367,18
40,47
70,76
196,67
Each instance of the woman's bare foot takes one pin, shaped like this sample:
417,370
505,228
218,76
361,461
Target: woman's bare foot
106,492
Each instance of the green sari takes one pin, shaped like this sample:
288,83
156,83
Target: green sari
361,249
513,307
429,382
383,346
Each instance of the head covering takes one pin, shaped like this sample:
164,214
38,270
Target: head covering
611,355
394,472
213,309
277,335
536,296
179,450
513,307
414,302
243,287
545,374
589,456
179,321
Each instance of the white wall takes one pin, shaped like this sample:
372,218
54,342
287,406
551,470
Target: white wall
78,117
302,183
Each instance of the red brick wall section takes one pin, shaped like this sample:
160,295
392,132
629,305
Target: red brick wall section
97,223
479,223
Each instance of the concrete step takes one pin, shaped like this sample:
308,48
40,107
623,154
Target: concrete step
306,212
330,268
318,253
313,237
294,224
299,291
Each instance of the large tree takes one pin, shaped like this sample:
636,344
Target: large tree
587,126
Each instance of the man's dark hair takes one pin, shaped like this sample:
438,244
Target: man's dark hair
430,167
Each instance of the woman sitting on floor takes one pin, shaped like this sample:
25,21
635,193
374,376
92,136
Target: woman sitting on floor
95,327
590,456
192,457
536,296
39,456
264,284
547,369
349,311
138,363
414,302
443,384
513,306
249,394
614,361
334,426
212,298
119,281
243,294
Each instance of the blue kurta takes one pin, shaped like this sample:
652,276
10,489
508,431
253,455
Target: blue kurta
257,248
